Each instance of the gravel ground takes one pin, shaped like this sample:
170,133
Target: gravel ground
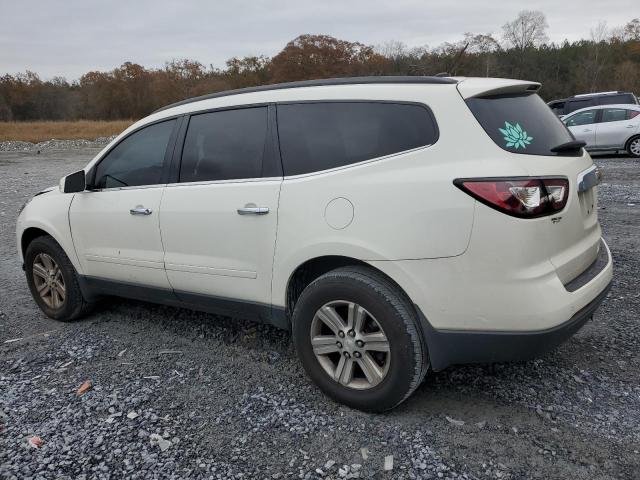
177,394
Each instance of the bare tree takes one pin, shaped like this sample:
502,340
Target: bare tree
599,36
529,29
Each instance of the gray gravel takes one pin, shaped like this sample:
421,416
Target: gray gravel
179,394
17,146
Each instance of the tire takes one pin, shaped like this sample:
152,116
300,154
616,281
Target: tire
633,146
382,304
42,251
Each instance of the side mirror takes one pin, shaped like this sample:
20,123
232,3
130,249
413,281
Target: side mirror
73,183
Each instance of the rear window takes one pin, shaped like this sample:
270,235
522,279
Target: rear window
520,123
324,135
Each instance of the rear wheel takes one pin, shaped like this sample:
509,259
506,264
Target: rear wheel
53,281
633,147
357,337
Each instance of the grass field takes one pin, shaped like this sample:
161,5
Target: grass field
40,131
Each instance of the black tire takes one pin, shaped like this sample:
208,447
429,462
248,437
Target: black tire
74,305
396,315
628,146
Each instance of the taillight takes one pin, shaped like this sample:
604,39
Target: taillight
520,197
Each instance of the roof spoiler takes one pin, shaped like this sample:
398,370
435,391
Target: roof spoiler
483,87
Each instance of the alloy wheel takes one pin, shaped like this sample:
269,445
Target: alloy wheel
634,147
49,281
350,345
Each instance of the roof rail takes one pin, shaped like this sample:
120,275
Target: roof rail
596,93
317,83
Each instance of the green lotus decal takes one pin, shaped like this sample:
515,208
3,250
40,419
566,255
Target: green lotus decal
515,136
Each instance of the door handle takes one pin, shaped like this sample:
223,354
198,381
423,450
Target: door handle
630,126
253,210
140,210
586,130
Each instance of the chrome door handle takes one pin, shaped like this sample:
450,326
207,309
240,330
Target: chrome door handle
251,210
140,210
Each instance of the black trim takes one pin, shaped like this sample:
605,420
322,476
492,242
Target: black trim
75,182
176,156
391,79
92,288
592,271
272,161
451,347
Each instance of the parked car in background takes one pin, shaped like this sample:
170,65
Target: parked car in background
567,105
607,127
392,224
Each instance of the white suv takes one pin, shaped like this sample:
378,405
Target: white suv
393,224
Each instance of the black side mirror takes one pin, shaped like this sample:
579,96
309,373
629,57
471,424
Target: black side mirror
75,182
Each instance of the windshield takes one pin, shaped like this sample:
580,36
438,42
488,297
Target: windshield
521,123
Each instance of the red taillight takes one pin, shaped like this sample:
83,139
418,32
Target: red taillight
520,197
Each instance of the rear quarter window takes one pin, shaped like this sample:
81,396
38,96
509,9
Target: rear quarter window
323,135
520,123
617,99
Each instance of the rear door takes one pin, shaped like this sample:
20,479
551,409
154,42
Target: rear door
219,216
583,126
616,126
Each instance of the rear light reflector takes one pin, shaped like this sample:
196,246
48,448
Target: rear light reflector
520,197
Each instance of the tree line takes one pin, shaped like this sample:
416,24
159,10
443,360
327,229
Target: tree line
608,60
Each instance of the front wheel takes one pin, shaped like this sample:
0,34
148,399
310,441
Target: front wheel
356,334
633,147
53,281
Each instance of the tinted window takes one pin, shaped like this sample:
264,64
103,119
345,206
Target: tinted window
136,160
520,123
614,114
633,113
225,145
573,105
620,98
320,136
582,118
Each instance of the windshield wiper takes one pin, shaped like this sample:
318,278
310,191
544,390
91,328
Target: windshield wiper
568,146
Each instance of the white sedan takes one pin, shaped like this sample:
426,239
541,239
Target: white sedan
607,127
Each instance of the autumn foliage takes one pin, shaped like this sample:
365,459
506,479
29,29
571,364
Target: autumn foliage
133,91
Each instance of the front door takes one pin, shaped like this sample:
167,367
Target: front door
219,220
583,126
115,224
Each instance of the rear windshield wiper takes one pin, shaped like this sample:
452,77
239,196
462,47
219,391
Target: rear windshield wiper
568,146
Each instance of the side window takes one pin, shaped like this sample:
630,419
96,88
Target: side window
136,160
613,99
225,145
633,114
320,136
577,104
582,118
613,115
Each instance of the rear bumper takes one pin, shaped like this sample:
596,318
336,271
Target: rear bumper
449,347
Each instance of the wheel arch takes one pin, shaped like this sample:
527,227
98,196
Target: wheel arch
312,268
29,235
33,230
629,140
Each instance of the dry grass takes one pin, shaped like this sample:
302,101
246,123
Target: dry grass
40,131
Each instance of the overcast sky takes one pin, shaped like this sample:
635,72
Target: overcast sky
71,37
